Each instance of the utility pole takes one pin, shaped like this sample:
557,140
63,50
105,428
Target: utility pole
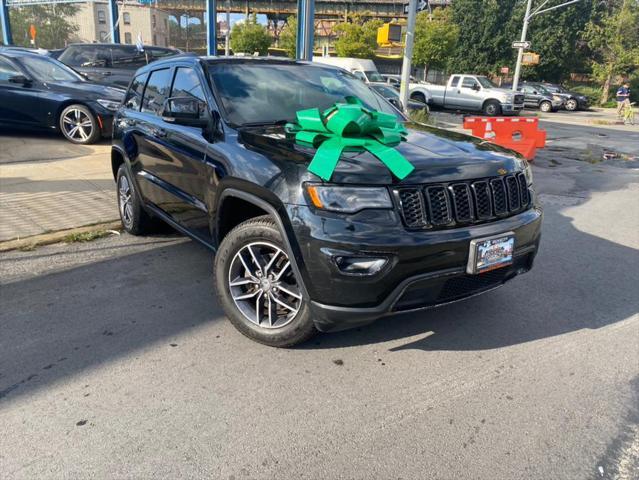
227,47
408,53
524,30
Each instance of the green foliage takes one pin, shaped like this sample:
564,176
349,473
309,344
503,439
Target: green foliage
51,21
288,37
486,32
249,37
436,39
613,38
555,37
357,38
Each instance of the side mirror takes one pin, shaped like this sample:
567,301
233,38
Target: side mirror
535,92
476,87
20,80
184,111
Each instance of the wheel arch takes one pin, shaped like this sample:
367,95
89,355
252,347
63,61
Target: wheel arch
251,206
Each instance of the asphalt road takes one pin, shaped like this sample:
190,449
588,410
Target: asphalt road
116,361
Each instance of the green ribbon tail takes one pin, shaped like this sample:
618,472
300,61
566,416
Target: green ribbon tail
394,161
326,158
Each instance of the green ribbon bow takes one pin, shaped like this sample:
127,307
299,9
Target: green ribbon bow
350,126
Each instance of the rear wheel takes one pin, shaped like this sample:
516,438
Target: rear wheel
420,97
571,105
492,108
134,219
79,125
545,107
258,287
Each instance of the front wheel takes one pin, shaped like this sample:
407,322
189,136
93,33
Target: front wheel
258,287
545,107
79,125
571,105
134,218
492,108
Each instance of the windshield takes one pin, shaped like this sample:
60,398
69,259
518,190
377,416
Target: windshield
374,76
46,69
268,93
484,82
386,92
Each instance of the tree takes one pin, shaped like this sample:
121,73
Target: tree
250,37
288,37
51,21
435,40
613,38
485,34
357,38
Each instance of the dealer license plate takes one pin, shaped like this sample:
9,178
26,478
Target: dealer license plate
490,253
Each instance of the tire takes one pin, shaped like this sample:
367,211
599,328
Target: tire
545,107
247,292
79,125
571,105
492,108
420,97
134,218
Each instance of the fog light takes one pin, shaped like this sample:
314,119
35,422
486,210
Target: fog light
360,265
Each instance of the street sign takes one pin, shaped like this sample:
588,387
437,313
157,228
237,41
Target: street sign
521,44
421,6
505,70
530,58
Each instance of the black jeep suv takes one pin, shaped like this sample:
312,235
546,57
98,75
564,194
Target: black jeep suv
201,144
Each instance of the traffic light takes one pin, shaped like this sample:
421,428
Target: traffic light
389,33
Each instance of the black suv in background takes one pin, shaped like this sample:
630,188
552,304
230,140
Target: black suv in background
201,144
572,100
109,63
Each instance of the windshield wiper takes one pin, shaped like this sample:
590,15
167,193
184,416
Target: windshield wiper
267,123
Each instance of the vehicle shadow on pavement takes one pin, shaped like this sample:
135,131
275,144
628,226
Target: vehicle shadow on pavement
56,325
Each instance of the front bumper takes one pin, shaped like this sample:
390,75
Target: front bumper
511,108
425,268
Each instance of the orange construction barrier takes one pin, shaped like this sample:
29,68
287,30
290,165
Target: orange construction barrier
519,134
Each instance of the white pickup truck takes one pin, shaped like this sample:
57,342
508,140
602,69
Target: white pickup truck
469,92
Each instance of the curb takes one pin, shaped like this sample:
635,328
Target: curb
56,237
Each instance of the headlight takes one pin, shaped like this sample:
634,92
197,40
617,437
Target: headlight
109,104
509,98
348,199
557,98
528,174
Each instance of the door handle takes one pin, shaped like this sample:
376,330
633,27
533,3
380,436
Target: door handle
106,74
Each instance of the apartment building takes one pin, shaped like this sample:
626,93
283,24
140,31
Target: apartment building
151,23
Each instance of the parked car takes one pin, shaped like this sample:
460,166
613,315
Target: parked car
537,97
572,100
392,95
39,92
201,144
469,92
362,68
396,80
110,63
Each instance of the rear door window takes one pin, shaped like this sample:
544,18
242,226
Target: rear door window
454,81
134,95
156,91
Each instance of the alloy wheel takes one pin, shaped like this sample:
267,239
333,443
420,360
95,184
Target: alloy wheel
125,201
571,105
263,285
77,125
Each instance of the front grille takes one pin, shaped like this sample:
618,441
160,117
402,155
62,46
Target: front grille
519,99
460,203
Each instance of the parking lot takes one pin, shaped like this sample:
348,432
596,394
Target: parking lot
116,359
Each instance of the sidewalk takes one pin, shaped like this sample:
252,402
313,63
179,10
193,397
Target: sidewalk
48,184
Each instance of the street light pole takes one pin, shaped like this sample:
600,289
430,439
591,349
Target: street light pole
520,50
227,51
408,53
527,17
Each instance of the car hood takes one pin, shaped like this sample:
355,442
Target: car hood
89,90
437,155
